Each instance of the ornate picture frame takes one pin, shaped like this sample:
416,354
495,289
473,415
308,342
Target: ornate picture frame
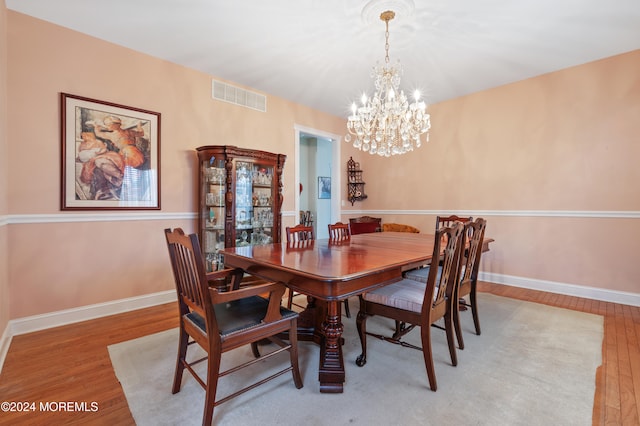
110,156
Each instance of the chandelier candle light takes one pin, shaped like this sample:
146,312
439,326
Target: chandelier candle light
387,124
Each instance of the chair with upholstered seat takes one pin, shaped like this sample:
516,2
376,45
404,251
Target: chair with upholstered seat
340,232
473,239
365,224
399,227
412,303
474,233
219,321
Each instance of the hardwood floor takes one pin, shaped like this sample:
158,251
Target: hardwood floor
617,397
71,364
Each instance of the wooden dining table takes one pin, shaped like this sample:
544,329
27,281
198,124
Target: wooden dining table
330,272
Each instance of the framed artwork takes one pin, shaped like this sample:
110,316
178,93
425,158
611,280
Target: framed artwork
324,187
110,156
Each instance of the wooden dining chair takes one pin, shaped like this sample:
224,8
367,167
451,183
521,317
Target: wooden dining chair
412,303
339,231
365,224
299,233
219,321
449,220
470,264
474,234
306,218
295,235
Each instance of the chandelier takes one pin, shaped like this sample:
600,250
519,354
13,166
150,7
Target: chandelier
387,124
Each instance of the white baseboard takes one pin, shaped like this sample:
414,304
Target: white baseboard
83,313
5,341
624,298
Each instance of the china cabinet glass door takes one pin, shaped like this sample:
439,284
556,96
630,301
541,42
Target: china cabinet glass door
240,199
214,212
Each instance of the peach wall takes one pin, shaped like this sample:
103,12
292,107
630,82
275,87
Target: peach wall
66,265
4,174
558,142
564,143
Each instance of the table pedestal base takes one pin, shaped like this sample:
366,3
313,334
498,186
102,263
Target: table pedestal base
320,323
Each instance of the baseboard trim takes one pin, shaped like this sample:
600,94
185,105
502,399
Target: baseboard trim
84,313
5,342
624,298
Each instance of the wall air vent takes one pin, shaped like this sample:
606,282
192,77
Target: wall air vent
235,95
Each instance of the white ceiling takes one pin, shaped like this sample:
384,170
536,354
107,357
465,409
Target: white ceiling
320,52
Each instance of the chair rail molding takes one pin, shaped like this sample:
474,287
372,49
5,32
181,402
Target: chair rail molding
601,214
97,217
114,216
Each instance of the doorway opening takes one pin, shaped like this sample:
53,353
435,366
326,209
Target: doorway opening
318,177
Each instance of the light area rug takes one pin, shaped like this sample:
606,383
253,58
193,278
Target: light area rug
532,365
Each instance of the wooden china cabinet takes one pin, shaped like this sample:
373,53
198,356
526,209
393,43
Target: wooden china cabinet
240,198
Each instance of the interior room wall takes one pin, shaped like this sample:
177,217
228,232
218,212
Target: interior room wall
551,162
4,177
551,165
62,260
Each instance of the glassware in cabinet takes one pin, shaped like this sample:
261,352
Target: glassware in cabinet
240,198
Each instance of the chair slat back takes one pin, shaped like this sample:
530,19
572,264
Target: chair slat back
306,218
339,231
189,274
449,220
440,288
299,233
474,232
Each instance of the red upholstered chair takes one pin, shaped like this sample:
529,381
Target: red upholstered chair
219,321
412,303
365,224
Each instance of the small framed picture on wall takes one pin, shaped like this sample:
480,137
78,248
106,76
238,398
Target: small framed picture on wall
324,187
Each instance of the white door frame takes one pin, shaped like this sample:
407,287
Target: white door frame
336,176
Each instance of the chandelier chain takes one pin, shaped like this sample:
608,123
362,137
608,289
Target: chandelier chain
386,44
